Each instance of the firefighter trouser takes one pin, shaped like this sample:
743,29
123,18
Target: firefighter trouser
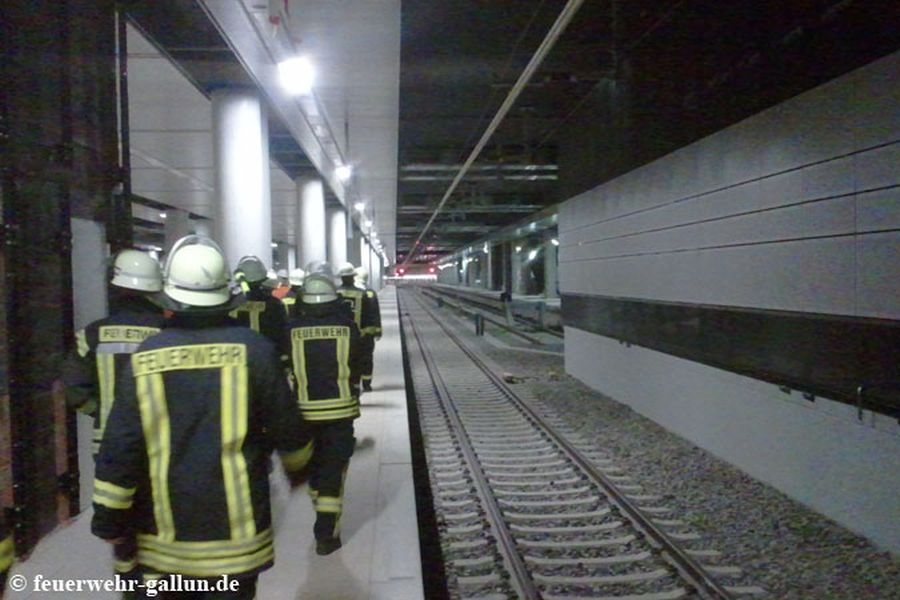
367,360
333,442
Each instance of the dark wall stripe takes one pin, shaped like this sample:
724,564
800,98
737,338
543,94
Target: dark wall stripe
826,355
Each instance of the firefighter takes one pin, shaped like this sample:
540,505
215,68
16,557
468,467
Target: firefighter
183,465
295,280
103,349
262,312
325,352
7,553
366,315
374,332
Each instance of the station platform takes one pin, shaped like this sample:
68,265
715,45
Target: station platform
380,557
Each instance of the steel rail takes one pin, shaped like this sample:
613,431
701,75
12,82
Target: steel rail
689,569
523,582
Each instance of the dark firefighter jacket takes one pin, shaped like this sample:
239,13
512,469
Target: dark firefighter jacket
325,353
364,305
263,313
102,350
183,464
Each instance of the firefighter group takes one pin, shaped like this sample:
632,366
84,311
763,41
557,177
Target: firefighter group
196,380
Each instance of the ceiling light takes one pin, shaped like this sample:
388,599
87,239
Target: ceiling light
274,245
367,223
485,248
555,242
532,254
296,75
518,248
360,206
162,215
343,172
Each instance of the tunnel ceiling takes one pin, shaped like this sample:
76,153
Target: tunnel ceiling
627,82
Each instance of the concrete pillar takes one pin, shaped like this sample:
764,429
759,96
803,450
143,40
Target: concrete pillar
337,237
550,265
488,268
240,146
178,224
310,221
516,267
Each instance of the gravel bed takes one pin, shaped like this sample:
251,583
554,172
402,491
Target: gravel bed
787,549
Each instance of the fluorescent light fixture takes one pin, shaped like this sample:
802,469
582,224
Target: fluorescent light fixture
343,172
485,248
555,242
518,248
274,245
296,75
360,206
367,223
532,255
162,215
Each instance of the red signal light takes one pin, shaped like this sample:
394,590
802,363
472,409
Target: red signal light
400,270
431,269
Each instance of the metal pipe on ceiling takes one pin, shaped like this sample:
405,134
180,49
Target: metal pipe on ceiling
568,12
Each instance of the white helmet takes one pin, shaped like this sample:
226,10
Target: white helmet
362,274
252,268
321,267
296,277
196,273
346,270
136,270
318,288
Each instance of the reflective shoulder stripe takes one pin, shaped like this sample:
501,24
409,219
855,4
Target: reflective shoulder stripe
81,343
112,496
7,552
155,424
233,416
117,347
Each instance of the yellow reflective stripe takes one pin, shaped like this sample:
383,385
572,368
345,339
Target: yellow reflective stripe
204,549
124,566
332,415
234,466
106,376
112,495
299,360
253,308
329,504
155,423
329,403
366,377
342,355
207,566
7,553
296,460
81,344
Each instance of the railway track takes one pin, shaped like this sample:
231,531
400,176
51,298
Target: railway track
525,509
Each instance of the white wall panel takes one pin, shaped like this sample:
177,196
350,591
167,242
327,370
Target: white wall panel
877,211
782,440
879,274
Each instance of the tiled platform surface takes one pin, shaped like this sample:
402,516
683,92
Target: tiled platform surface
380,557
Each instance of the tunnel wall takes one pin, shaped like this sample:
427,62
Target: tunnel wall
794,211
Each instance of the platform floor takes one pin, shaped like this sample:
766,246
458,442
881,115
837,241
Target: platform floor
380,558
